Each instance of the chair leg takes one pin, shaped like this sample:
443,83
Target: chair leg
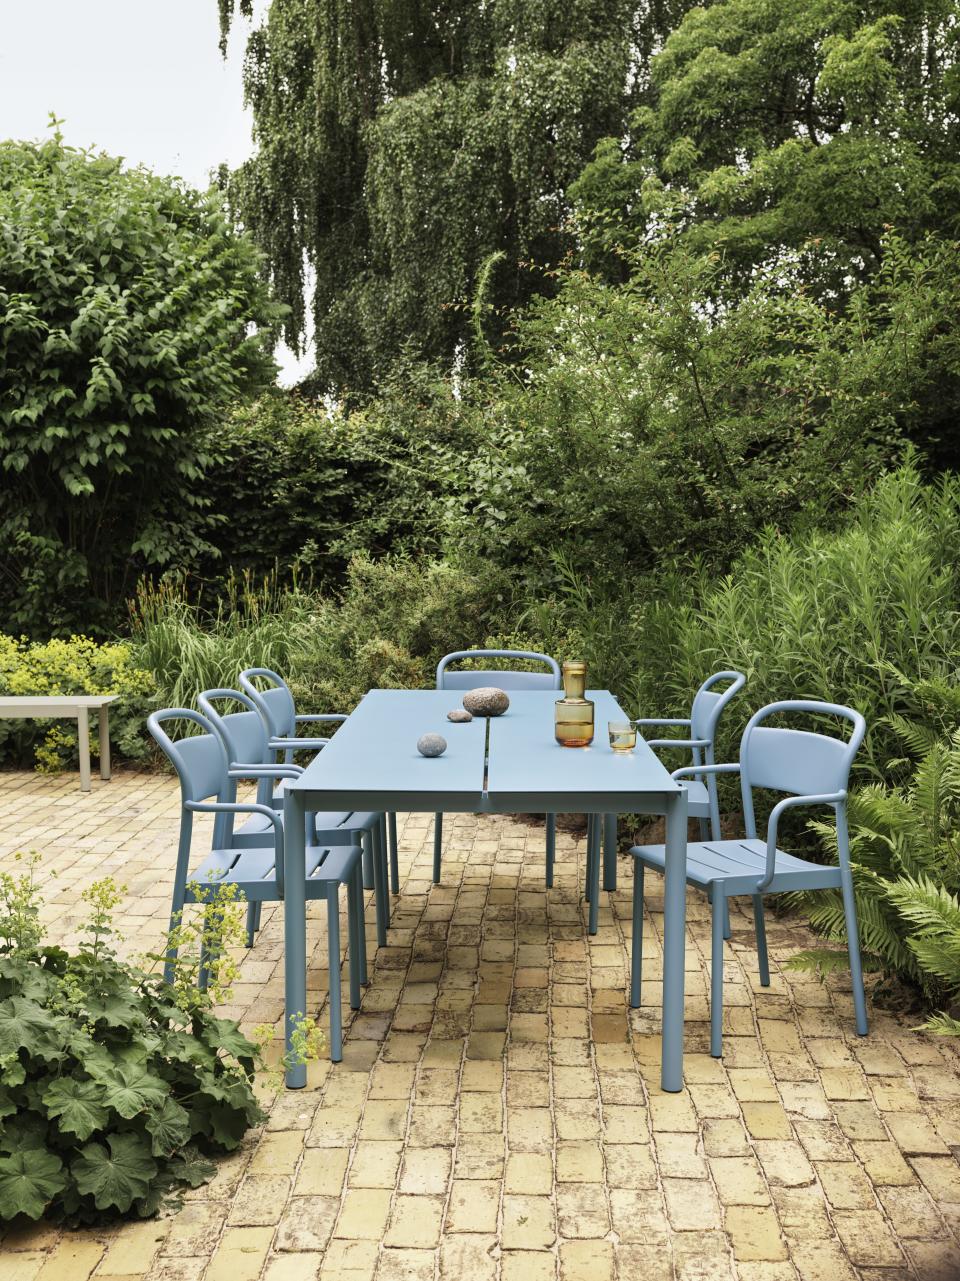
371,841
551,847
362,931
394,856
354,946
610,852
333,965
853,949
209,952
704,829
716,974
593,862
367,861
636,948
253,922
437,844
761,929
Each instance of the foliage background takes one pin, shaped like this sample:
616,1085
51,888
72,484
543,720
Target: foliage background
636,336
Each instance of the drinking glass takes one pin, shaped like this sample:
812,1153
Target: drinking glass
623,735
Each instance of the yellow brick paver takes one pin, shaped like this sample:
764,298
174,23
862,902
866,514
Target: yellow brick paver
497,1115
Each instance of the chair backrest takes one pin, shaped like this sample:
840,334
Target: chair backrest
708,703
275,703
798,762
244,734
473,679
200,760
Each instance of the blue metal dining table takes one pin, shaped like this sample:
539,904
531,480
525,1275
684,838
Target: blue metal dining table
506,765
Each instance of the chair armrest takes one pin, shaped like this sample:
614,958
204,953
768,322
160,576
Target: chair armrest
706,769
677,742
655,720
316,716
307,744
265,771
239,807
789,802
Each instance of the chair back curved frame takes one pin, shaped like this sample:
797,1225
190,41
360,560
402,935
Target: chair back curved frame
275,705
705,712
473,679
516,680
811,767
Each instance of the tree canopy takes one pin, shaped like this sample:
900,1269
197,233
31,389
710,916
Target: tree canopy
399,144
131,313
803,124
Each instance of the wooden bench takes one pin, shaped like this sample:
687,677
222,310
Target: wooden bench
75,706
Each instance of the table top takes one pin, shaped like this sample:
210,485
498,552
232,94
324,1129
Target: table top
510,763
42,702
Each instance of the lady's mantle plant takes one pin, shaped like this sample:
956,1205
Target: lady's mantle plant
114,1085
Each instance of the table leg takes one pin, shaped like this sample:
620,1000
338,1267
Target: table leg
394,855
594,825
104,742
609,851
674,941
83,742
295,926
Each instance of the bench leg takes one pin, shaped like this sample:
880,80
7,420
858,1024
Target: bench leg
83,742
104,742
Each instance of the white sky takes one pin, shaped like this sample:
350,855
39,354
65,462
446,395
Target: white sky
142,79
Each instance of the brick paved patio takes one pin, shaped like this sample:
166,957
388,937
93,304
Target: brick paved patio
497,1114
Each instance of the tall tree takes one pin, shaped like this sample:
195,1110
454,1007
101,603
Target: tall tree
401,143
132,315
808,125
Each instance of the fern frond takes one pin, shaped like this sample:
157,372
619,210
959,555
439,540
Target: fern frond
942,1025
929,908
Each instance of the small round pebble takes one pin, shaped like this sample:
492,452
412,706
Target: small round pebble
488,700
459,715
431,745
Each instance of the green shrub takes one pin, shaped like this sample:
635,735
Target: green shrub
131,315
75,666
388,625
855,616
303,487
114,1086
905,855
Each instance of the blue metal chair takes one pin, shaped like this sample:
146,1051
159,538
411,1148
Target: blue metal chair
702,802
474,679
276,705
708,705
813,768
246,739
257,871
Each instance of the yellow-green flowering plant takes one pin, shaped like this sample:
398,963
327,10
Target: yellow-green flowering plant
115,1087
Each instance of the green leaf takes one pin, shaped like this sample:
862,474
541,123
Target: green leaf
190,1167
115,1178
225,1034
25,1025
78,1104
130,1090
168,1127
29,1180
27,1130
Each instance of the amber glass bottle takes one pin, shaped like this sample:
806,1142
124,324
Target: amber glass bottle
573,714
